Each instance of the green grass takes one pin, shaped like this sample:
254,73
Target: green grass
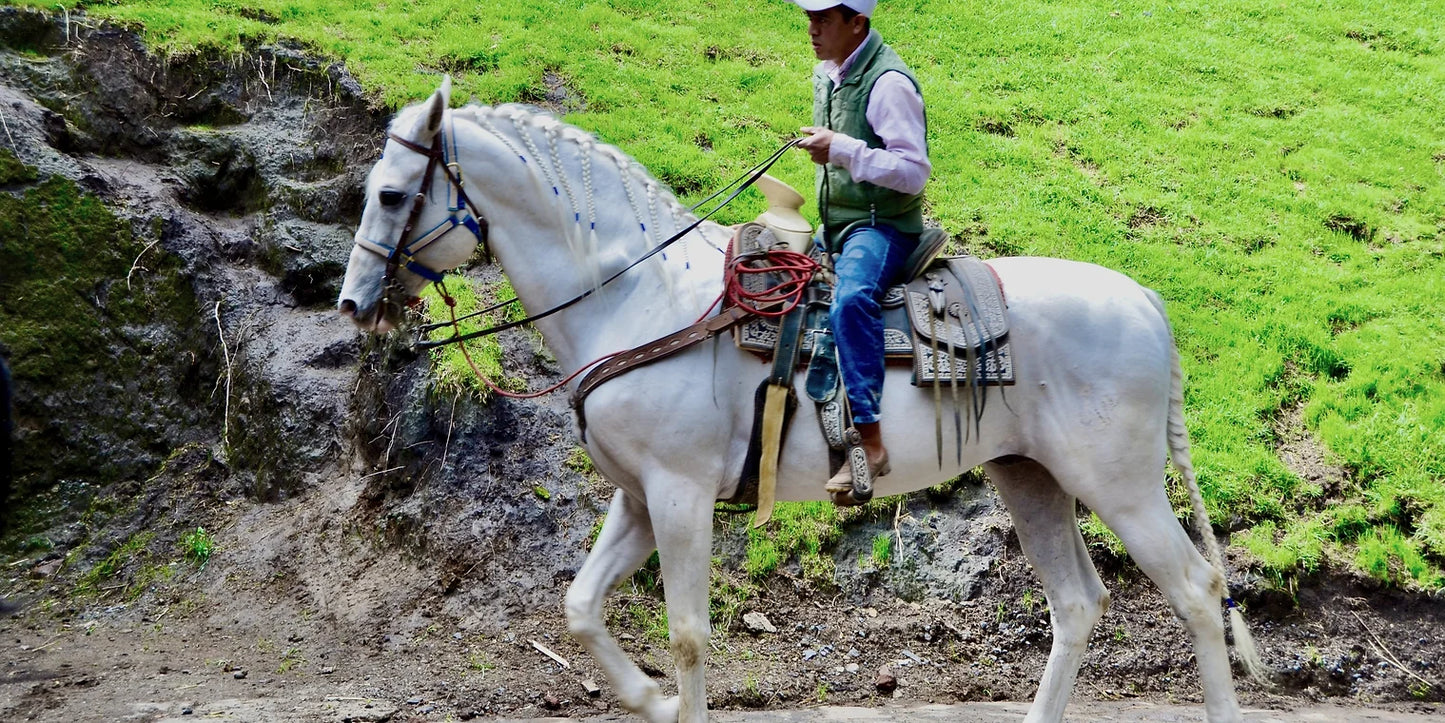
578,461
801,530
458,368
98,579
646,615
1275,171
12,170
882,549
290,660
198,546
728,595
479,662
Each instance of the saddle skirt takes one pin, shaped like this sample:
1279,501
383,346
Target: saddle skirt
949,317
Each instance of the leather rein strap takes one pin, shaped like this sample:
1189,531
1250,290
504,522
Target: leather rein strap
797,269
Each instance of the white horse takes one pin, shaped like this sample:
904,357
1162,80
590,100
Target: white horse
1095,411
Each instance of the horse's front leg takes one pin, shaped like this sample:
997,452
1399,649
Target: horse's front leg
681,513
624,543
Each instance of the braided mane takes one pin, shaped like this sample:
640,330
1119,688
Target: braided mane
546,144
522,116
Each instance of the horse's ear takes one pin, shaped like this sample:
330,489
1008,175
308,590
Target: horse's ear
436,105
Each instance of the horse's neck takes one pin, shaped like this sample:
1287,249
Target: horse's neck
640,306
585,214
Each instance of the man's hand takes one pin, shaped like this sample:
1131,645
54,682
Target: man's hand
817,142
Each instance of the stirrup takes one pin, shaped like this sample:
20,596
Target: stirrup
858,486
862,474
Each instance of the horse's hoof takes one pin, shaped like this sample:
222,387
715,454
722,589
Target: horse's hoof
663,710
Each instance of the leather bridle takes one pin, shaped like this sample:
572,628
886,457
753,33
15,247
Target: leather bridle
403,254
462,213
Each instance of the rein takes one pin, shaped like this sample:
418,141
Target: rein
452,309
751,177
781,298
776,300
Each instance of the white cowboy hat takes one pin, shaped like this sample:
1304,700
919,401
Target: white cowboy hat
864,7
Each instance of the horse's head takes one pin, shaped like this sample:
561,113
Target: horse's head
412,207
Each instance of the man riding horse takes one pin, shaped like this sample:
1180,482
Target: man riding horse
1096,409
869,140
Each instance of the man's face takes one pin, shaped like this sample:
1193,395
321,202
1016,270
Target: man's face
833,37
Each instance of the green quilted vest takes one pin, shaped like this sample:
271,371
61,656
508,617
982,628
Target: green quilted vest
842,202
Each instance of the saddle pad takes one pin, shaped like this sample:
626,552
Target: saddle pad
973,303
994,367
760,335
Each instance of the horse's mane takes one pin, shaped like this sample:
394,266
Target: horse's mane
524,116
543,140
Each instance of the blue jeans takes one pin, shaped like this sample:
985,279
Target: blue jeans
872,260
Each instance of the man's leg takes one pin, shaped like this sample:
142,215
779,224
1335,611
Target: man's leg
871,260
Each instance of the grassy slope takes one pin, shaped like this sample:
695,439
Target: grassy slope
1274,170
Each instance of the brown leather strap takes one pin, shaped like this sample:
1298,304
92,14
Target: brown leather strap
653,351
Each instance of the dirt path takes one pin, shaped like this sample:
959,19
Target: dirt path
345,709
1082,712
152,672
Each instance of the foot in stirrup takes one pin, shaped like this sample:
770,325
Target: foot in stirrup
843,480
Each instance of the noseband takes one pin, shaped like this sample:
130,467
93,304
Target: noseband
463,213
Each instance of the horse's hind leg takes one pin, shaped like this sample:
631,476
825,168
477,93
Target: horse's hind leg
1140,514
1044,516
624,543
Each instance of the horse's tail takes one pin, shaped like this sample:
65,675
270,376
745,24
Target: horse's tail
1179,454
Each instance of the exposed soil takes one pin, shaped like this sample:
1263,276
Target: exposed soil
359,631
387,552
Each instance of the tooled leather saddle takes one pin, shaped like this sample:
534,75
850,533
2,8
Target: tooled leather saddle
948,321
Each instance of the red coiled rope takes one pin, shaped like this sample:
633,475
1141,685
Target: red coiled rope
782,297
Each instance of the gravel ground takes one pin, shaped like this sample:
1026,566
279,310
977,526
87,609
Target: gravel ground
1115,712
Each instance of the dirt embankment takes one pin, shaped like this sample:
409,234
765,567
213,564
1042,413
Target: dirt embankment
380,550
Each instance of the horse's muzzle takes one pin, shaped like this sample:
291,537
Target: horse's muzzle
375,319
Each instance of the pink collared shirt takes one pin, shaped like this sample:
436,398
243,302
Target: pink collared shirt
895,111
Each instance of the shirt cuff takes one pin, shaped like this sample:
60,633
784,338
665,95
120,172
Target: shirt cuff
843,150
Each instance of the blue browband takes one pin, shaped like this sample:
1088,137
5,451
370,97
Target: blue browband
457,202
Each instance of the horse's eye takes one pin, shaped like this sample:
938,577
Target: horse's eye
391,198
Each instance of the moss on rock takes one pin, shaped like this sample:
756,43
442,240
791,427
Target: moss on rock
90,315
13,171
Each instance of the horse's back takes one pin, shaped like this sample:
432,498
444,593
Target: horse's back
1091,349
1042,279
1057,300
